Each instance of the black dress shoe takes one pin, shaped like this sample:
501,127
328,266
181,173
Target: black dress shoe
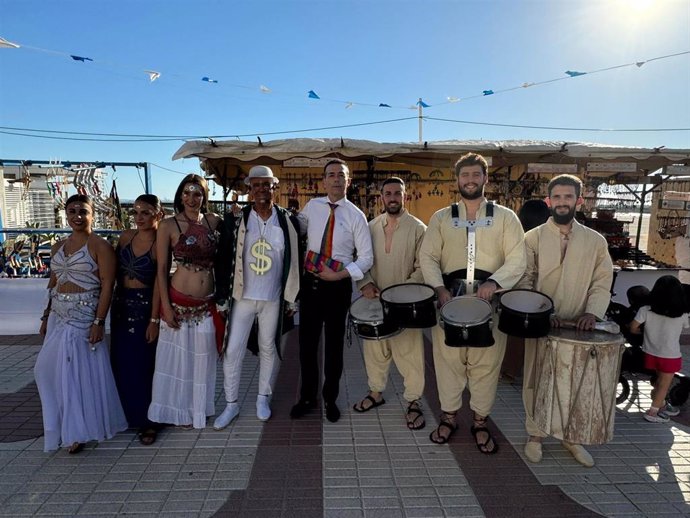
332,412
301,408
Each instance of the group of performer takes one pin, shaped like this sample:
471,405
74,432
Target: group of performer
238,280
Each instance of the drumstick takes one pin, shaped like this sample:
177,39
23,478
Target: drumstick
606,326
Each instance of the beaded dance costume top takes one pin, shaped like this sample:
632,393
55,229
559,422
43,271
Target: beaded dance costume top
196,248
78,268
140,268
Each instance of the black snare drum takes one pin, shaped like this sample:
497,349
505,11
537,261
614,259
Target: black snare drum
525,313
366,318
409,305
466,322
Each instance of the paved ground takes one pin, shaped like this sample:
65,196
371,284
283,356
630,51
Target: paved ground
365,465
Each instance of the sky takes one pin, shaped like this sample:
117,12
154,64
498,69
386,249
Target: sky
365,52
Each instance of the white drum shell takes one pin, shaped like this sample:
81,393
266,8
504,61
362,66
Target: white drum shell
576,374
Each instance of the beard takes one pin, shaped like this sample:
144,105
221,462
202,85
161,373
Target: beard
563,219
478,193
395,209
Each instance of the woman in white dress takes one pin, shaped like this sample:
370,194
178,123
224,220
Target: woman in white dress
78,394
191,329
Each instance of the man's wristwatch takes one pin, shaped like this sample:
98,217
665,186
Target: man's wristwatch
99,322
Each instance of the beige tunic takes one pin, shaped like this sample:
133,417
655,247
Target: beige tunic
400,265
499,249
582,282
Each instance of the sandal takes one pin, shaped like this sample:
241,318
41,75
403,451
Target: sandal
447,423
479,428
75,448
359,407
414,415
148,437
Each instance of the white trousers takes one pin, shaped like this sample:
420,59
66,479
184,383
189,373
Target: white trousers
243,314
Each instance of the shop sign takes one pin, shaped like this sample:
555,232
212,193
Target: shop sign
672,204
678,170
307,162
552,168
611,167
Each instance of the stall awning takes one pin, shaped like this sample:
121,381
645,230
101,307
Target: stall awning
433,154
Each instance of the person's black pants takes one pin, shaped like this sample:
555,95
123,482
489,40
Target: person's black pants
322,305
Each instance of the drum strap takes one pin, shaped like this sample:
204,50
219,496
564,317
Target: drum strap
471,225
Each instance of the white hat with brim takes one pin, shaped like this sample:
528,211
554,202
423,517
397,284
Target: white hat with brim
261,171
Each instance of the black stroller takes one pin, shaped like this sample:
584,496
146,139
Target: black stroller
633,360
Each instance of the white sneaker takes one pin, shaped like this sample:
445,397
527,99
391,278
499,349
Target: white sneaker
660,417
263,410
670,410
223,420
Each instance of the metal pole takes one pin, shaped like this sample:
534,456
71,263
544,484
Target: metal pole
147,178
639,221
419,116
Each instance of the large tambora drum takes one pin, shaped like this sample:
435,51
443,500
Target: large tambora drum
466,322
409,305
576,373
525,313
366,318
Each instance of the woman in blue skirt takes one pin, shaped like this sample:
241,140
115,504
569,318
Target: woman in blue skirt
135,316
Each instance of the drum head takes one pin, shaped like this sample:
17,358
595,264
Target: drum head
366,311
466,310
407,293
526,301
585,337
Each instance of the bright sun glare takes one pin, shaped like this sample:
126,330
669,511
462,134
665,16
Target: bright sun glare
639,5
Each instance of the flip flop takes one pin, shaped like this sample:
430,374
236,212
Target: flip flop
358,407
478,429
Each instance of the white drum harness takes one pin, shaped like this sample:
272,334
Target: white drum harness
471,225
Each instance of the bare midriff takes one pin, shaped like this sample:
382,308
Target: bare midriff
192,281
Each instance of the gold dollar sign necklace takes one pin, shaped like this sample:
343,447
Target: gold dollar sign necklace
260,247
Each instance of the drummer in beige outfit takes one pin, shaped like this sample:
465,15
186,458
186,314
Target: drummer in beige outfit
396,237
571,264
500,252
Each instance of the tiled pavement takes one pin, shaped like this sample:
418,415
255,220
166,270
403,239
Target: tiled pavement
365,465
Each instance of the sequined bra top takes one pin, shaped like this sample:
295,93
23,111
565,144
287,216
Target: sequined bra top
141,268
78,268
196,248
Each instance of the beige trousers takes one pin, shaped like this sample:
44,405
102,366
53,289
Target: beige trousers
406,350
476,368
529,386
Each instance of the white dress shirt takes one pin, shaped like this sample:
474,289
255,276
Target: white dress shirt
351,237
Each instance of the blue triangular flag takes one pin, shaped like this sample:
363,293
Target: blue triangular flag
573,73
488,92
312,95
209,80
384,105
80,58
422,104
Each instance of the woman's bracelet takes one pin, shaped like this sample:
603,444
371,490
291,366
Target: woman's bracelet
155,320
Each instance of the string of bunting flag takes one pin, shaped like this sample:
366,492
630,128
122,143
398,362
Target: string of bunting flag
155,75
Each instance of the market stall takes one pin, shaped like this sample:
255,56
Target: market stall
519,171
